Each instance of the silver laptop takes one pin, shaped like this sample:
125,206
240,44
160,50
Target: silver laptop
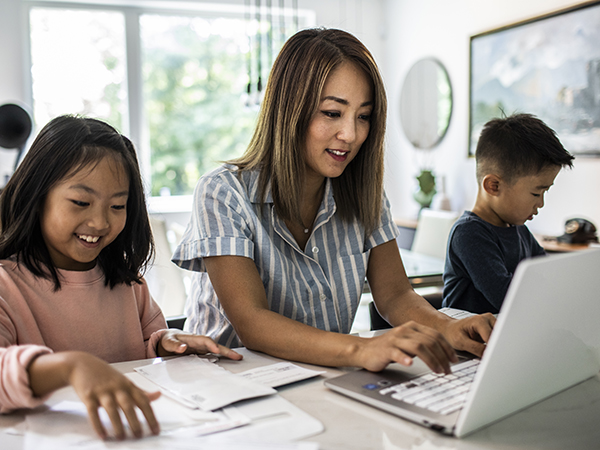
546,340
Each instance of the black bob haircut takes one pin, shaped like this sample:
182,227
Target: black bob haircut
518,145
63,147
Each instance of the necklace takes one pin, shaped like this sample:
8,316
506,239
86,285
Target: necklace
306,230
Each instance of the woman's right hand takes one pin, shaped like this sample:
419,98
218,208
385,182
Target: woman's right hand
98,385
401,344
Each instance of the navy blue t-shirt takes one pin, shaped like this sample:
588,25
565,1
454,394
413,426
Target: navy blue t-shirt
481,260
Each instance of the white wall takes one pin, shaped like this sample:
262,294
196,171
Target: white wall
12,88
441,29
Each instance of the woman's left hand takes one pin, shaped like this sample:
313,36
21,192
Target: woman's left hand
470,334
176,342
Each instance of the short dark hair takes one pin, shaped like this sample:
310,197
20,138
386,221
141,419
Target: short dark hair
64,146
517,146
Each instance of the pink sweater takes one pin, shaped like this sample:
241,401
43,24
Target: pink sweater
118,324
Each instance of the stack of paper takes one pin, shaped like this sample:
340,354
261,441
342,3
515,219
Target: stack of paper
198,383
194,411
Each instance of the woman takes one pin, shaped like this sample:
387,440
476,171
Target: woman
281,239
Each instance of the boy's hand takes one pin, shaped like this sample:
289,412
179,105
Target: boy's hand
470,334
175,342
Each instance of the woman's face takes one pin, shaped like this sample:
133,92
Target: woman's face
341,124
84,213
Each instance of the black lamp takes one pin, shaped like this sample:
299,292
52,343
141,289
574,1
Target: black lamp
15,128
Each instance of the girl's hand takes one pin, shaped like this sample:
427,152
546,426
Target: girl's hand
100,386
401,344
175,342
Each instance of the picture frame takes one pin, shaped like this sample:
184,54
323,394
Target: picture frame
548,66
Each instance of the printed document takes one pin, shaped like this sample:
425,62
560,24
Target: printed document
279,374
198,383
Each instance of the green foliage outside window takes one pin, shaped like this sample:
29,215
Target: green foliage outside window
194,72
194,81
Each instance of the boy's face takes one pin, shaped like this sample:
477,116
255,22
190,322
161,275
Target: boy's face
520,201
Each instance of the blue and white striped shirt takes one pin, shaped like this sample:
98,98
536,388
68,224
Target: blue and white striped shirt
320,286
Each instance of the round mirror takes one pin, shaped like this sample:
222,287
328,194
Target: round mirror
426,103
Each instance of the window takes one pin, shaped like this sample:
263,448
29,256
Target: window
78,64
176,82
194,77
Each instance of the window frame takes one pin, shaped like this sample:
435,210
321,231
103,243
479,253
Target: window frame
134,123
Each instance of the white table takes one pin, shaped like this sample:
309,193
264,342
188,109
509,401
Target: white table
422,270
568,420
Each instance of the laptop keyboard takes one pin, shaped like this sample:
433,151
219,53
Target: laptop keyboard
443,394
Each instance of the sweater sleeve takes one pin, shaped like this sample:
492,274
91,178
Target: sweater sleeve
152,320
15,391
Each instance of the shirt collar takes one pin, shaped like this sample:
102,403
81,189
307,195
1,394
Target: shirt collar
254,188
254,191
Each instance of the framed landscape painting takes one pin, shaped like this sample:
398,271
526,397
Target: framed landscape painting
548,66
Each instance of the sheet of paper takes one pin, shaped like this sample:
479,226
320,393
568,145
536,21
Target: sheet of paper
279,374
242,445
273,419
67,425
198,383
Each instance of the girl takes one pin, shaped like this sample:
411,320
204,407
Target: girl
75,241
301,218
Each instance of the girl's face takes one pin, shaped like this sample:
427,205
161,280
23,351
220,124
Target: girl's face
341,124
84,213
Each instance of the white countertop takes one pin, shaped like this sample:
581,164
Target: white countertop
568,420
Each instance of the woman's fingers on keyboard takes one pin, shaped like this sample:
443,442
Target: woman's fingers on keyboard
472,333
403,343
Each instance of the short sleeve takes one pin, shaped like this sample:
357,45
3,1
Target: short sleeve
221,222
387,229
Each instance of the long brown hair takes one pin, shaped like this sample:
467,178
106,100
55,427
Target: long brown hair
291,99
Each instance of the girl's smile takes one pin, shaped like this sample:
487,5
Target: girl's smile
84,213
89,239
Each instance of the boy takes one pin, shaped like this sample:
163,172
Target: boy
517,159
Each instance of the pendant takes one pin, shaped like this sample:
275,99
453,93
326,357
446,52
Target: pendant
306,230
